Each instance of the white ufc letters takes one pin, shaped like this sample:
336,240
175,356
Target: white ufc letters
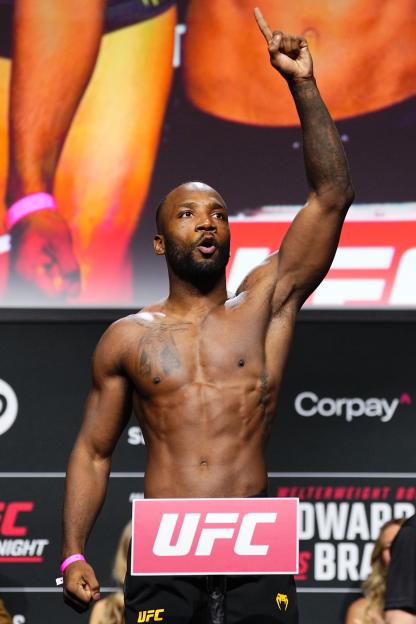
187,539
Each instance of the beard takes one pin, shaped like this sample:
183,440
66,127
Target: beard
202,273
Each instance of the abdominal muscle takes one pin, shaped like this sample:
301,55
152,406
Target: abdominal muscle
213,448
221,473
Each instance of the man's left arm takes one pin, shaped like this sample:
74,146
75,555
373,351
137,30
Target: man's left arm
309,246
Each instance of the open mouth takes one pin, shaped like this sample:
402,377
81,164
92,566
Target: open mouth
207,245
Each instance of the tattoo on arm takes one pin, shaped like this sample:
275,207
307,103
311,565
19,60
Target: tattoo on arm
264,401
264,384
325,161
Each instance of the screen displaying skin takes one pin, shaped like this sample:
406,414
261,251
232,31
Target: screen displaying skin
109,104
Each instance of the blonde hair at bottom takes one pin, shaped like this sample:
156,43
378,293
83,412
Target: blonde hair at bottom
374,587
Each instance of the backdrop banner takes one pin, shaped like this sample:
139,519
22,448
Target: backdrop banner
342,442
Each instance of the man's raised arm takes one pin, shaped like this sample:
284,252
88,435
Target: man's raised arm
311,241
107,410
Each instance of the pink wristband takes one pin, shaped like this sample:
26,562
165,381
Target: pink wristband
25,206
67,562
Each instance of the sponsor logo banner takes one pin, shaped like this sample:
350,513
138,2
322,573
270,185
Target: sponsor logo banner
339,521
215,536
30,528
309,404
15,545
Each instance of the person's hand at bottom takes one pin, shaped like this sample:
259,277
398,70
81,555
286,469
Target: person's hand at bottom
81,587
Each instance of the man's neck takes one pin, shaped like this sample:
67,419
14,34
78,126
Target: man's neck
190,300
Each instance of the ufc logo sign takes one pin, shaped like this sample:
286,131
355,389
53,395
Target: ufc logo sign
208,536
375,262
186,541
151,615
9,513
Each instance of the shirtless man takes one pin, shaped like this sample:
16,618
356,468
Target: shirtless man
203,370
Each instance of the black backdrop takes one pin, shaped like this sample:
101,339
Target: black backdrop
351,471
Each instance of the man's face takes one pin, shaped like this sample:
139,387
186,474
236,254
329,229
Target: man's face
196,233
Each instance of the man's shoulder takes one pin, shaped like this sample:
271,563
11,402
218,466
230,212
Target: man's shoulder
135,323
123,328
129,328
117,340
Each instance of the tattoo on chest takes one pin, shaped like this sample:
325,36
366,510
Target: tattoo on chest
170,358
145,367
158,350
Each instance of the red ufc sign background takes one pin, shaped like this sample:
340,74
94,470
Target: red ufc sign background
215,536
375,264
9,518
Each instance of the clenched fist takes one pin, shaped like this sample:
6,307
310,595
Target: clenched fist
80,586
289,54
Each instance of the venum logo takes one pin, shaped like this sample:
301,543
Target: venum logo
282,602
309,404
8,406
163,546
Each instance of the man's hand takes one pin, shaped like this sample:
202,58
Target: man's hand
80,586
289,54
42,256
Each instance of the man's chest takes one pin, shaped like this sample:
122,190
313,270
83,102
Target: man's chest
170,355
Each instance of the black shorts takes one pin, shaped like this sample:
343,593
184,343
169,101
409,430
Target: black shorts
121,13
257,599
211,600
118,14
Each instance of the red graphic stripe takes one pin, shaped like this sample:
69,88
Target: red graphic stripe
21,559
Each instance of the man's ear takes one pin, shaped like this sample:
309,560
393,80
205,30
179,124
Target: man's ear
159,244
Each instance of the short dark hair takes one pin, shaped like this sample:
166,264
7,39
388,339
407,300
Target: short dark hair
160,207
159,214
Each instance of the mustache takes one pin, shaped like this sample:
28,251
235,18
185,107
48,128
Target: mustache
207,241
